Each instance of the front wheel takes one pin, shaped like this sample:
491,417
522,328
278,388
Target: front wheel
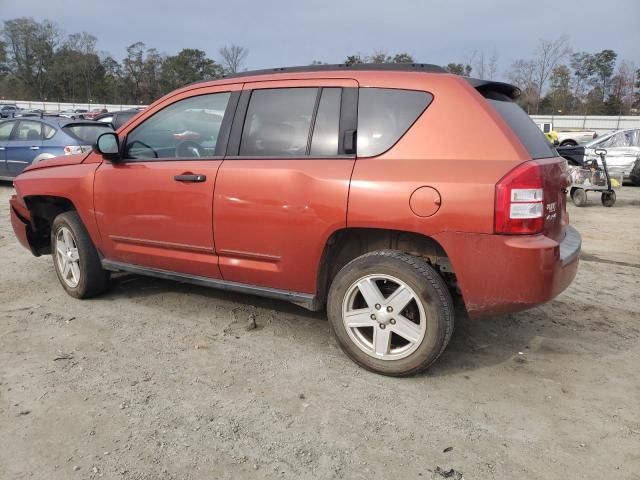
579,197
75,258
390,312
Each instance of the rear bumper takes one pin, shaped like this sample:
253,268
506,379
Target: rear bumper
500,274
20,221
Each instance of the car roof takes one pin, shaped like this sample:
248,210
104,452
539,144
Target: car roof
480,84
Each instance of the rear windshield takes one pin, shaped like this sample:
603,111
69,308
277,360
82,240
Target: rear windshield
528,132
88,133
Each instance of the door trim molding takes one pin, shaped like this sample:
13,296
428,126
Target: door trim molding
160,244
306,300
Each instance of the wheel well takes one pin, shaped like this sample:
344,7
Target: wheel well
44,209
349,243
568,142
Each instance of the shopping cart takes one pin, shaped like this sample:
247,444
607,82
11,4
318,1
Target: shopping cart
594,176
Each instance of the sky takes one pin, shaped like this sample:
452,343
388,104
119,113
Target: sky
295,32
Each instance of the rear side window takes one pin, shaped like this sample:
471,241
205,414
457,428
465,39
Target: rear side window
86,133
528,132
48,132
278,122
327,125
27,130
384,115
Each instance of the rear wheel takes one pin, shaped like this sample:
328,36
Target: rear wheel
390,312
579,197
75,258
608,199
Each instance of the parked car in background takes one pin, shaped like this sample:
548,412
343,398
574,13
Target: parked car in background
566,137
94,113
24,141
340,186
117,119
8,110
623,153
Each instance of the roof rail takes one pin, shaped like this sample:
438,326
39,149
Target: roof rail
387,67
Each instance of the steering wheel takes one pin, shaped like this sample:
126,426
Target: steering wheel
155,154
190,149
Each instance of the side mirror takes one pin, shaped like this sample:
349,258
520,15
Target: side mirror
108,146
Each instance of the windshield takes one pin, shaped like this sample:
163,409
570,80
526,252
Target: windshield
88,133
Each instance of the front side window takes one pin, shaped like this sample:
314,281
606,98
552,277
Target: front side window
5,130
384,115
185,129
27,131
277,122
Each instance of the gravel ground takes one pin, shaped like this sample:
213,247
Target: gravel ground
158,380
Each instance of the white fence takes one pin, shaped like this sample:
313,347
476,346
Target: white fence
58,106
599,123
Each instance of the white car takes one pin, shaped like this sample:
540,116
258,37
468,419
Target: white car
623,153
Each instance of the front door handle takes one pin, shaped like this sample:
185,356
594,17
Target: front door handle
1,149
190,177
35,148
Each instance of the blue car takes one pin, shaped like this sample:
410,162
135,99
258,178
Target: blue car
24,141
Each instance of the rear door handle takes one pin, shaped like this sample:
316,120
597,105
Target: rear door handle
1,149
35,148
190,177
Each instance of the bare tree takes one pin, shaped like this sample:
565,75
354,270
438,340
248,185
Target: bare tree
548,55
522,74
492,65
233,57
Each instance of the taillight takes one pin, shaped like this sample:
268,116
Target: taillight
520,201
71,149
595,135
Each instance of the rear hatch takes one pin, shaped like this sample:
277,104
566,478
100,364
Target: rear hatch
547,173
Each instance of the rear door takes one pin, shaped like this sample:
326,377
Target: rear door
5,134
24,145
282,189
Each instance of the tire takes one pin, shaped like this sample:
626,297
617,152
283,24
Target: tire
406,344
72,247
608,199
578,197
569,143
634,176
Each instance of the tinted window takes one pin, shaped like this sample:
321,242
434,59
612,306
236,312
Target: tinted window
528,132
5,130
384,115
188,128
87,133
277,122
27,130
327,124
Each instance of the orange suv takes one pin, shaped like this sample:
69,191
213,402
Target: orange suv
376,191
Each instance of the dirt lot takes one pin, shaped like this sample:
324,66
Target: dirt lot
158,380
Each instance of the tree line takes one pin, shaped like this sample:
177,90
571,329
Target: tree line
39,61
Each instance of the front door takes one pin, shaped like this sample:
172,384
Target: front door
24,145
154,207
282,189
